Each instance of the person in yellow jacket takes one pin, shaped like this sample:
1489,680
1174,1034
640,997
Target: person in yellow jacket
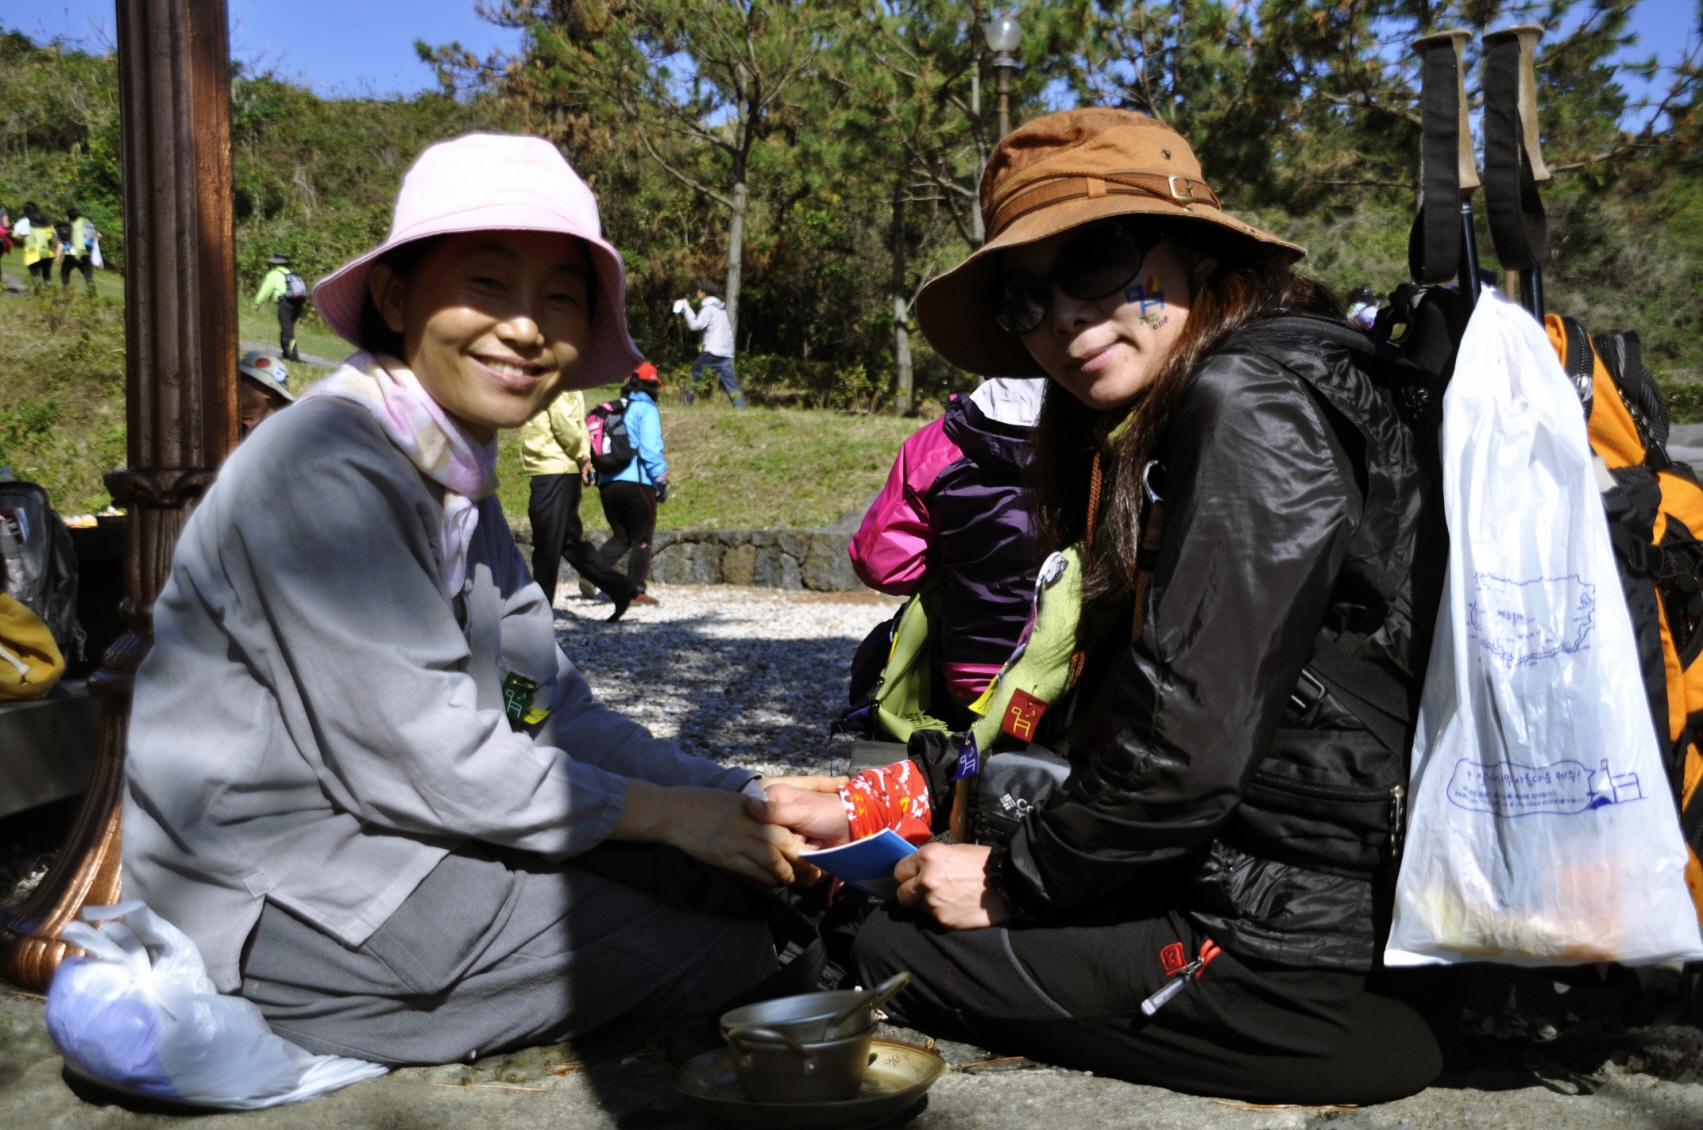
555,452
39,243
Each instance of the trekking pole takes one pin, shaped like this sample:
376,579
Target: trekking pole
1444,229
1513,160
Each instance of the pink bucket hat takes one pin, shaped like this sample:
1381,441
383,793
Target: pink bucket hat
497,182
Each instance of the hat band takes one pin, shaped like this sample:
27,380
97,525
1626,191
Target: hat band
1185,192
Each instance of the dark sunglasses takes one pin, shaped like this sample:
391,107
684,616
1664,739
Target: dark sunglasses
1099,262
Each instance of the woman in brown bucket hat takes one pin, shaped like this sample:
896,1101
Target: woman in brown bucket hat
1202,904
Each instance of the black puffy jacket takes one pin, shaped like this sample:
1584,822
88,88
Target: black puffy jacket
1207,772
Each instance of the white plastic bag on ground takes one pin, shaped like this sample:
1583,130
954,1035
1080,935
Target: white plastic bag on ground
1542,828
139,1014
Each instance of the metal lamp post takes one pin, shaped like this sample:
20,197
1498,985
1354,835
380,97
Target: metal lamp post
1003,35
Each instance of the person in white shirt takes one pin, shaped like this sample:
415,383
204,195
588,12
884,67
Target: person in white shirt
716,350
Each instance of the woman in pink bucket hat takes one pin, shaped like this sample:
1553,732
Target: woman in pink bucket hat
362,776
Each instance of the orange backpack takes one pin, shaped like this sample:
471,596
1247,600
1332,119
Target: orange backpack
1653,505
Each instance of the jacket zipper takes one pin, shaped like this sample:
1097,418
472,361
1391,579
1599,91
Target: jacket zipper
1323,792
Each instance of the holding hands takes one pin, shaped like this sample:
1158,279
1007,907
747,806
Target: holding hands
950,881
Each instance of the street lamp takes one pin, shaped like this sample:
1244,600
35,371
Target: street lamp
1003,34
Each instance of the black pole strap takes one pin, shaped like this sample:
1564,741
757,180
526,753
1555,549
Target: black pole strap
1434,244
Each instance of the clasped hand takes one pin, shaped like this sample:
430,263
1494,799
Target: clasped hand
950,881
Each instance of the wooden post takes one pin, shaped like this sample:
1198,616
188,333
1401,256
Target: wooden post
180,336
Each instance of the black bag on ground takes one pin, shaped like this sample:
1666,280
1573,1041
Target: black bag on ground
40,563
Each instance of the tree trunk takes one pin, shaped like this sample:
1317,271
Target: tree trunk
180,336
902,401
736,246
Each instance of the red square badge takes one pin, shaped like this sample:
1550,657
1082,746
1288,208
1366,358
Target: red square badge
1172,958
1023,715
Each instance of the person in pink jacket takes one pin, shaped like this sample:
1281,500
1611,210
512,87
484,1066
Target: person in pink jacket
953,509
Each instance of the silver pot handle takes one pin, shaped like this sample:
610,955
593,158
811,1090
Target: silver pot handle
736,1038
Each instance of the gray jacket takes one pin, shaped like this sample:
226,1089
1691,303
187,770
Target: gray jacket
318,725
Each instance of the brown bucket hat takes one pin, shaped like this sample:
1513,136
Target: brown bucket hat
1050,175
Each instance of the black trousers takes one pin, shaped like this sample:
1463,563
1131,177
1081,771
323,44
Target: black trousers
71,263
42,269
631,511
556,533
288,311
1071,994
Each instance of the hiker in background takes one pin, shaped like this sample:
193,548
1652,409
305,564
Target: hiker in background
77,238
1194,900
631,494
262,389
290,291
555,454
1362,307
953,511
715,346
39,244
5,232
361,775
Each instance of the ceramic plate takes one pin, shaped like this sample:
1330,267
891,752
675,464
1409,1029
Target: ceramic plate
899,1077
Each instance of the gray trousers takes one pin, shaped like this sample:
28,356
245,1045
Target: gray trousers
496,951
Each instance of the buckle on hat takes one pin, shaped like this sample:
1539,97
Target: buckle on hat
1186,196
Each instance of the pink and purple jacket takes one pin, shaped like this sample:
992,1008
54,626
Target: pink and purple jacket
953,507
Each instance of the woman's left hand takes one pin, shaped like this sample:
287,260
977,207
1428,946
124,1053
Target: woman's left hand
951,882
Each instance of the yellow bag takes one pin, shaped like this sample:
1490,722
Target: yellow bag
30,662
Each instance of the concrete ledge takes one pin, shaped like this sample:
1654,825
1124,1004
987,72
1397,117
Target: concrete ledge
47,747
776,559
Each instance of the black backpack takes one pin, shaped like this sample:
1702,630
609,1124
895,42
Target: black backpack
40,564
611,447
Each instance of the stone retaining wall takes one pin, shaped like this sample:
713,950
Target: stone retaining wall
777,559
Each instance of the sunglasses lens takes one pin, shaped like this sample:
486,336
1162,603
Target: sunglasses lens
1023,301
1100,262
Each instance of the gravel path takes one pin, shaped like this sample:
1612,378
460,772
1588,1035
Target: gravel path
744,676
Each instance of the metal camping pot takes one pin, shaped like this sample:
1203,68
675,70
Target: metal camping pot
775,1068
815,1017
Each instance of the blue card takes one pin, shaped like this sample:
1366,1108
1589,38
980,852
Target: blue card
866,864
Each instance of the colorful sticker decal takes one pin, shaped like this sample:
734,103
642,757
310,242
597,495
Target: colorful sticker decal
1150,299
1023,715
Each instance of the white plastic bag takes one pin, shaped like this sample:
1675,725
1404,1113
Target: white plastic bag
1542,828
140,1015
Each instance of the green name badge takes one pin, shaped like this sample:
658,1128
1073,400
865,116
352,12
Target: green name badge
517,700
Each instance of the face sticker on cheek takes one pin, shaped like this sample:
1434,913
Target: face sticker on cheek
1150,299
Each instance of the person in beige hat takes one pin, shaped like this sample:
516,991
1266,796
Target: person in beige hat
1199,905
362,776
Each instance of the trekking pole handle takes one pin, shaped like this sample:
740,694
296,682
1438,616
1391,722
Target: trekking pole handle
1528,36
1464,156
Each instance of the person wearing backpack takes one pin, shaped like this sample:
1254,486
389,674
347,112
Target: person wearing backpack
77,237
1199,902
555,455
631,493
40,246
290,291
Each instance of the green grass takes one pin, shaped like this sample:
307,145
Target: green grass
62,392
757,468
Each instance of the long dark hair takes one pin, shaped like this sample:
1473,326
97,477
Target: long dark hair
1251,281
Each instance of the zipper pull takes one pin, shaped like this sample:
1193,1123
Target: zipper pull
1208,950
1172,987
1398,820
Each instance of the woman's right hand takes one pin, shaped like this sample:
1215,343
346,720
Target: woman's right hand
810,806
722,828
